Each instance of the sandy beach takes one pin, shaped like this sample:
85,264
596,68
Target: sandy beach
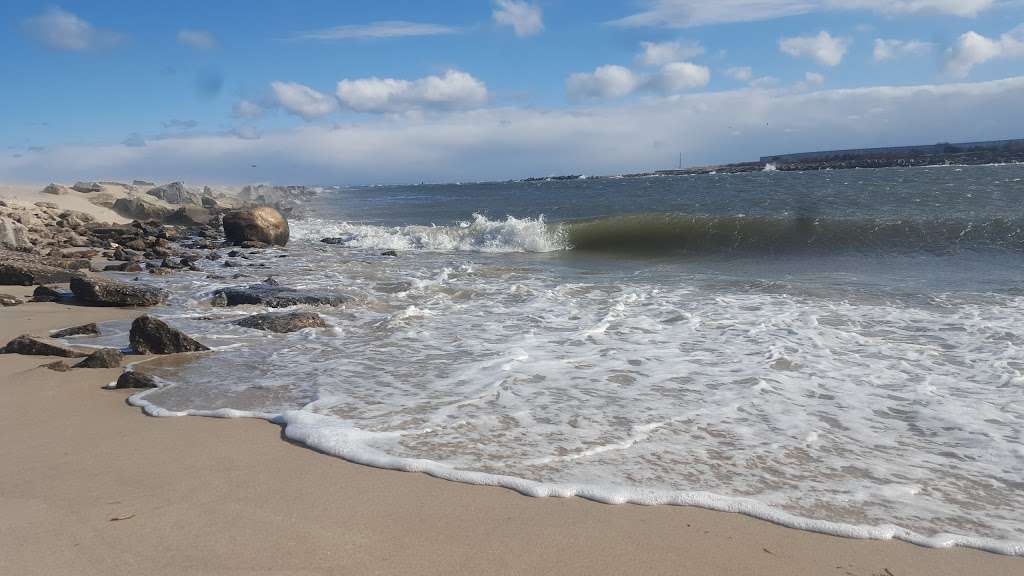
90,485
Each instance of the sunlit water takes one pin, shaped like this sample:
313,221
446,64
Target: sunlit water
836,351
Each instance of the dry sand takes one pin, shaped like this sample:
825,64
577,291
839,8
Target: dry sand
89,485
28,194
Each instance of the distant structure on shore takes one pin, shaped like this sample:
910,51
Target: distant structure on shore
942,148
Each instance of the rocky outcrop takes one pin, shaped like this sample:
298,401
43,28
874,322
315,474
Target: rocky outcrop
273,296
98,291
283,322
262,224
140,209
134,379
105,358
174,193
34,346
151,335
19,273
85,329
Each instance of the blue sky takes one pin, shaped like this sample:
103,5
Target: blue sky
366,92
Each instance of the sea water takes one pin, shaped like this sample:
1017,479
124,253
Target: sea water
835,351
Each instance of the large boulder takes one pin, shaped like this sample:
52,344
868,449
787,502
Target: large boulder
151,335
262,224
105,358
174,193
139,208
134,379
283,322
273,296
34,346
21,273
13,235
98,291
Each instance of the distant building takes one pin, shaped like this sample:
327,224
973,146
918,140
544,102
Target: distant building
900,151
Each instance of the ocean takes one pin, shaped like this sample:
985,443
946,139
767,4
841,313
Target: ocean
838,351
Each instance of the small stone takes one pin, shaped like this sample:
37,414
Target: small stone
85,329
134,379
105,358
9,300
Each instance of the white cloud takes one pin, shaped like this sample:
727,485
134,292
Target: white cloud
197,39
525,18
824,48
454,90
972,49
690,13
676,77
59,29
661,53
811,81
498,143
386,29
605,82
741,73
890,49
247,109
302,100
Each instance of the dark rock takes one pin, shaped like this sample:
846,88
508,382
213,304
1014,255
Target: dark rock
84,329
87,187
33,346
122,267
105,358
19,273
50,294
104,292
275,296
338,240
234,254
9,300
283,322
389,253
254,244
213,256
134,379
151,335
58,366
263,224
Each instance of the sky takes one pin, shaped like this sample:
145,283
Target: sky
383,92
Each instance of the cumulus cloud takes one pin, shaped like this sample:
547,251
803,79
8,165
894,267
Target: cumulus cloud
824,48
811,81
972,49
691,13
197,39
661,53
611,81
890,49
385,29
525,19
247,109
454,90
59,29
499,143
302,100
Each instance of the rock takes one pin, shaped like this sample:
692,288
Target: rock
338,240
18,273
9,300
140,209
391,253
283,322
50,294
151,335
189,216
263,224
84,329
254,244
33,346
13,235
57,366
134,379
105,358
98,291
142,183
87,187
49,205
55,189
275,296
210,203
122,267
174,193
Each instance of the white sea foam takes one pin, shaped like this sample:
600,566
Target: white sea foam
477,235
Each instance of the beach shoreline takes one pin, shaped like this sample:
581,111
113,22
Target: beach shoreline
92,485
